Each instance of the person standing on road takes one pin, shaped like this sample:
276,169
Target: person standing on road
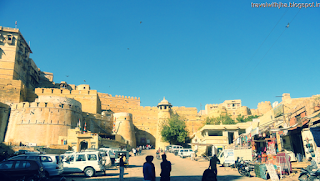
149,173
165,168
134,151
213,164
121,167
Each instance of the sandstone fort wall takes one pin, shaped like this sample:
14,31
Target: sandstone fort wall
41,122
88,98
12,91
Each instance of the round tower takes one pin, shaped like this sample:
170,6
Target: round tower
43,121
124,127
164,108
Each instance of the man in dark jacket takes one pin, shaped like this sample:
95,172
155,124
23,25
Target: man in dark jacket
149,172
121,167
165,168
213,164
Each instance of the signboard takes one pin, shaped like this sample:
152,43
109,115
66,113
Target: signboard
272,172
229,156
278,111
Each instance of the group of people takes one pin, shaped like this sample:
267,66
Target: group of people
149,173
137,151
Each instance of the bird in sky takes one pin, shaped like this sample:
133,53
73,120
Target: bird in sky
67,75
84,80
128,48
140,22
288,25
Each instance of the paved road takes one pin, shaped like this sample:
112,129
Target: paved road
182,170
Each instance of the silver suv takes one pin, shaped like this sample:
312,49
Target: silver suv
52,163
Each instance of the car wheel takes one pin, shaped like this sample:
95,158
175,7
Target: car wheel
46,174
31,179
89,172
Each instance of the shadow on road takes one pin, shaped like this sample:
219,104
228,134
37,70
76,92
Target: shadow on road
133,166
174,178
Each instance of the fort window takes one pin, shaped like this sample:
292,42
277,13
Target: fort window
51,121
84,87
61,91
42,90
51,91
21,121
45,104
37,104
62,105
58,122
29,121
36,121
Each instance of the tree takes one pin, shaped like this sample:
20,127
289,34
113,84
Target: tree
249,118
240,119
174,130
224,119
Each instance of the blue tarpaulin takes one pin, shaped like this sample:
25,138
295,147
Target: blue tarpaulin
316,135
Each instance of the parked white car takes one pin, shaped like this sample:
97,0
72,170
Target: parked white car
88,162
175,147
185,153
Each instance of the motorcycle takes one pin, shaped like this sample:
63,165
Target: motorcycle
306,175
244,168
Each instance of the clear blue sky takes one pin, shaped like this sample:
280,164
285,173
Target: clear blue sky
192,52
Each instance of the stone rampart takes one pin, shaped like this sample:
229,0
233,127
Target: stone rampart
125,128
12,91
264,107
41,122
88,98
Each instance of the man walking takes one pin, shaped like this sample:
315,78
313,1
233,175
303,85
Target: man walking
149,173
165,168
213,164
121,167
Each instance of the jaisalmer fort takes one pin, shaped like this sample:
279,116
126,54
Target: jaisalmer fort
34,110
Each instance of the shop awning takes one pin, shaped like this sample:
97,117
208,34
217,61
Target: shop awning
315,114
200,144
316,135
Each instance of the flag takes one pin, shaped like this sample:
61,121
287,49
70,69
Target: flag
16,22
85,127
79,125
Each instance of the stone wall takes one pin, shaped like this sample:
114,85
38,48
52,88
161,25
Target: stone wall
42,122
125,128
88,98
12,91
4,117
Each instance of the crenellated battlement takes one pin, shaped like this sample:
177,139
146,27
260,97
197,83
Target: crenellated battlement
105,95
56,91
26,105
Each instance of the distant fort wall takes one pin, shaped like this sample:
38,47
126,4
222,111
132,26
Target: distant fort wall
42,122
118,103
125,128
264,107
12,91
88,98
